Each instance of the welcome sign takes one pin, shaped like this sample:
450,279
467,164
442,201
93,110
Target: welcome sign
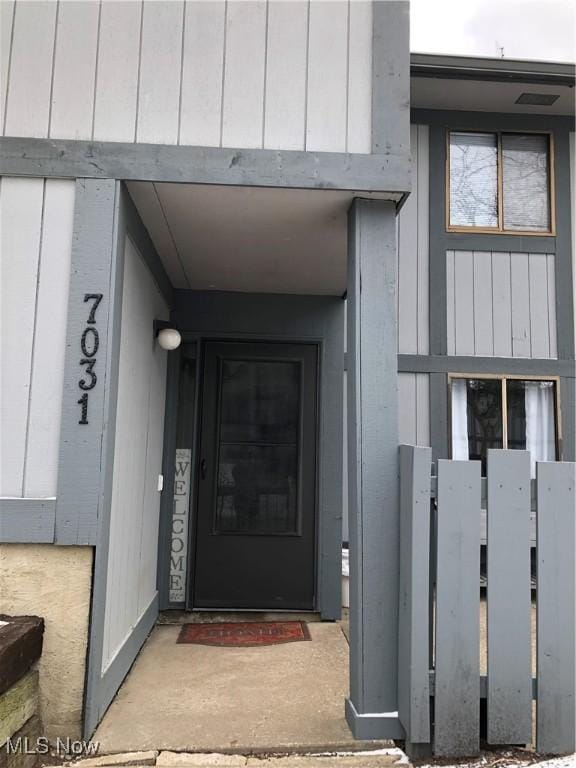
179,547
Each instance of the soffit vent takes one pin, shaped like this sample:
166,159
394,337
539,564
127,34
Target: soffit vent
537,99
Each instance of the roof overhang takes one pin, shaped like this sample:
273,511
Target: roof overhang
489,84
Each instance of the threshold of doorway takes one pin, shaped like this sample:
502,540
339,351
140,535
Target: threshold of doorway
217,617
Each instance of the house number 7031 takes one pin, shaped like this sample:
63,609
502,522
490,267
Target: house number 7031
89,343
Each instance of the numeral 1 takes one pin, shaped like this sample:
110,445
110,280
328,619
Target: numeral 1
84,403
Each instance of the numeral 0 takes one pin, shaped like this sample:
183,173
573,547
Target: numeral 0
85,342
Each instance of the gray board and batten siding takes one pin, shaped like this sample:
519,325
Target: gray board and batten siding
254,75
242,316
499,303
334,117
36,217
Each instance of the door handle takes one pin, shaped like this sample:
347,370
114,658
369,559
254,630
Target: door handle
203,467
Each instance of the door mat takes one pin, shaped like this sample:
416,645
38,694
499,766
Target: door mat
243,634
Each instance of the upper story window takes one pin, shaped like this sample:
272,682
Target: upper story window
500,182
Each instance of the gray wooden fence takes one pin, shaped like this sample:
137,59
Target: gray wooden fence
449,630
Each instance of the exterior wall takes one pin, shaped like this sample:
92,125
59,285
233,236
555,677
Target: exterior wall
134,517
55,583
573,217
261,73
501,304
414,408
36,217
413,253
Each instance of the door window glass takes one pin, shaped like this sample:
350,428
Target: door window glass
257,478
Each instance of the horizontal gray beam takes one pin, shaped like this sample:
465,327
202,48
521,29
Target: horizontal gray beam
385,174
490,121
499,365
458,241
27,521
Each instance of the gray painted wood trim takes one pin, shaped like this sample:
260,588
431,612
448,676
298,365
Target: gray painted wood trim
81,445
439,416
414,601
370,726
391,77
492,121
119,668
168,469
457,708
373,501
383,173
438,302
568,407
93,692
471,364
556,608
458,241
319,319
139,234
564,256
509,598
27,521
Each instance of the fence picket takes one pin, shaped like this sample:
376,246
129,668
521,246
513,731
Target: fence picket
509,598
556,608
413,660
457,681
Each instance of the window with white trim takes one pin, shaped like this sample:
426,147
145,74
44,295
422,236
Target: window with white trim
503,412
499,182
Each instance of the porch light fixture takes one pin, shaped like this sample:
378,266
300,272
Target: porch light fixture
168,337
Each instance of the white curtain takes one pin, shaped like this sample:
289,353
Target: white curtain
540,430
459,420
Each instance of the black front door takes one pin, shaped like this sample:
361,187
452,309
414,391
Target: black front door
255,535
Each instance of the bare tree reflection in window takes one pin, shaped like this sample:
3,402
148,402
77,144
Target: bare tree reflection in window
473,180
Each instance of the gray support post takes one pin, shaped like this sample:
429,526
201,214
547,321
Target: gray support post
86,391
373,504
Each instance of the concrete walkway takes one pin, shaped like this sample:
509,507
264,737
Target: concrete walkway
194,698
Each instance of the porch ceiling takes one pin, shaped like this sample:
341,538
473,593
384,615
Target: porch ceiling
247,238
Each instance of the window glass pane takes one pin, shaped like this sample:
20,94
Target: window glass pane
473,180
257,487
525,182
258,452
481,427
531,419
